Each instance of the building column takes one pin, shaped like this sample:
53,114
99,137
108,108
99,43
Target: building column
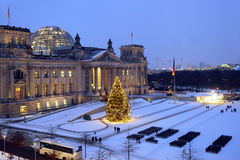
12,84
96,80
32,82
102,81
109,79
49,89
90,74
41,85
114,73
136,79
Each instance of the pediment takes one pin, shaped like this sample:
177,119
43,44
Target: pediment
107,57
20,82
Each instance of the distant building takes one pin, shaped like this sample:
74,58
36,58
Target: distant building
55,70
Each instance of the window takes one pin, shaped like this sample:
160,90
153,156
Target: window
16,40
62,74
123,72
127,72
48,105
36,90
70,87
23,109
38,106
18,74
54,74
54,88
62,87
36,74
57,104
70,74
23,41
64,102
45,89
18,93
46,74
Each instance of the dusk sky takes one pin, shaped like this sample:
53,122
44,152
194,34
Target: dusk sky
193,31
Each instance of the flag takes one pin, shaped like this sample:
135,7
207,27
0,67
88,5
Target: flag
173,71
131,35
8,13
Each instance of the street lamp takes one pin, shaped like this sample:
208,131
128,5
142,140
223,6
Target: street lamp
35,153
4,148
4,135
35,148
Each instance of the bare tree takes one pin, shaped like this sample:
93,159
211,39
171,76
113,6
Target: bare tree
189,153
129,146
102,154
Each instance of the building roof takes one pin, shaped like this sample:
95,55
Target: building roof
47,39
14,28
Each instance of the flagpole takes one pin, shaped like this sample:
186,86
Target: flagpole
174,81
131,38
174,89
8,16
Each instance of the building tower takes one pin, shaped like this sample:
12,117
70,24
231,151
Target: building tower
134,54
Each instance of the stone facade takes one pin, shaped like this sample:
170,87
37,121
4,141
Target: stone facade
32,83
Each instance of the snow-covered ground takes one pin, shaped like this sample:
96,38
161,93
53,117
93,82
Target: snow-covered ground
6,156
184,116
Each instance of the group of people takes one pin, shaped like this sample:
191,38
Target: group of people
229,107
95,139
117,129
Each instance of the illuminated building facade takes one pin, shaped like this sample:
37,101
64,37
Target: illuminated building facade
48,69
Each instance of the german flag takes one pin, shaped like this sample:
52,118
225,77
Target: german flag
8,13
173,70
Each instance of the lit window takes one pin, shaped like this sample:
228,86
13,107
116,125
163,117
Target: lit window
70,73
36,90
57,104
45,87
64,102
123,72
54,74
46,74
16,40
54,88
38,106
62,87
23,109
62,74
36,74
48,105
127,72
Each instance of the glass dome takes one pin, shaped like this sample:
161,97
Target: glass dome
47,39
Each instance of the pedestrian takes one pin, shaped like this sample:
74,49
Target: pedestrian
100,140
92,139
94,132
115,129
96,139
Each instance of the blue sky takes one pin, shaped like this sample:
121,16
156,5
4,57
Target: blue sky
193,31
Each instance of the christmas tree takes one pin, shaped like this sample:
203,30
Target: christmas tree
118,108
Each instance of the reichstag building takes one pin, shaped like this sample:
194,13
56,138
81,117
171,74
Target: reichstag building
48,69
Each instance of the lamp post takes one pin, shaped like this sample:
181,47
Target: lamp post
4,148
35,153
4,135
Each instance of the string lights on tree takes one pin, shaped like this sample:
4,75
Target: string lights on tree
118,107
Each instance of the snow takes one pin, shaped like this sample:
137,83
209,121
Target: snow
5,156
84,126
183,115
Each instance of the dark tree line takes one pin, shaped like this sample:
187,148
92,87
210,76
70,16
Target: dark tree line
226,80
